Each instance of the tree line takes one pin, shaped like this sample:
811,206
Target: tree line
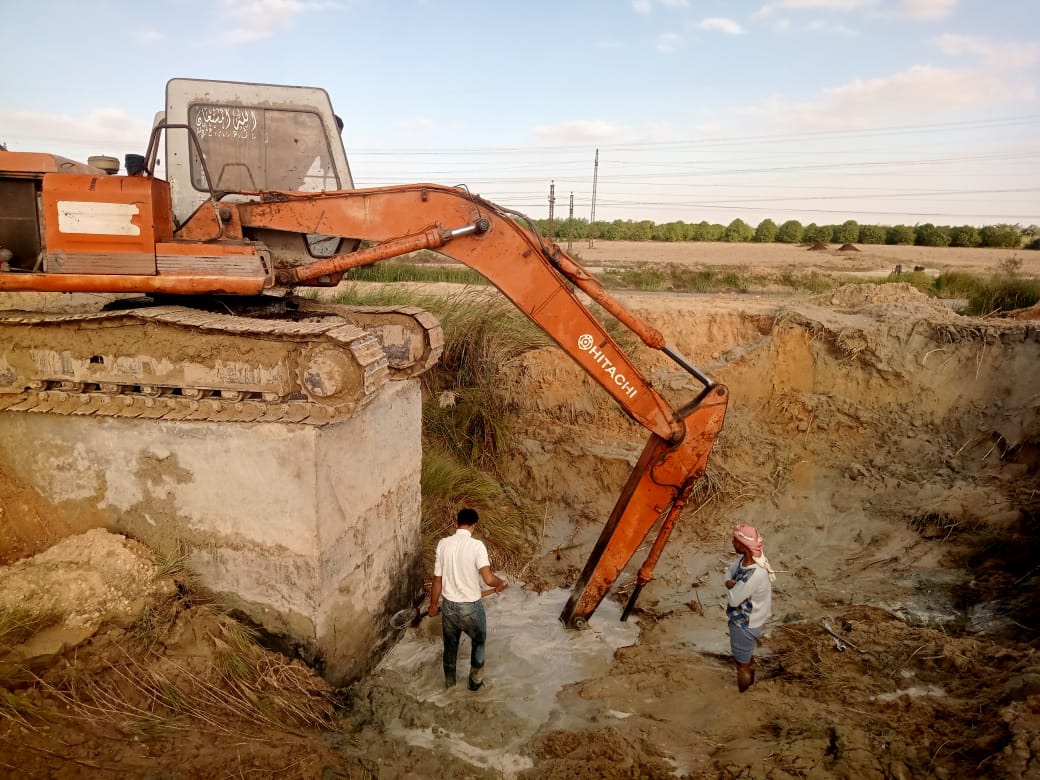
794,232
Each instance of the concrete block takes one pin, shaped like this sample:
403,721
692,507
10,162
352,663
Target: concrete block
310,531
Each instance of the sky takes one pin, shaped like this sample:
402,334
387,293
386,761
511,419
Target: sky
883,111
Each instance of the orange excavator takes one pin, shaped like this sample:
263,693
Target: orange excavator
256,201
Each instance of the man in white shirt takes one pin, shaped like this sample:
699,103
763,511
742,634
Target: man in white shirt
459,569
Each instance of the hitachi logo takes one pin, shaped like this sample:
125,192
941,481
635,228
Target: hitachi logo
587,343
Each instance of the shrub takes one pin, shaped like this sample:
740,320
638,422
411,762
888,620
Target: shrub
766,231
791,232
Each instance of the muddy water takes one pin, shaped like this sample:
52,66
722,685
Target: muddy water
531,656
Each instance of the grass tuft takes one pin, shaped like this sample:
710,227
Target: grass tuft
19,623
449,484
391,273
1003,291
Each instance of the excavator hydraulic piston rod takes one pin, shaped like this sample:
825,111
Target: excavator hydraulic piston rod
430,238
701,377
646,571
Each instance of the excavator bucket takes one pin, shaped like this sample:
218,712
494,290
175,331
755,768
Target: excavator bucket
664,474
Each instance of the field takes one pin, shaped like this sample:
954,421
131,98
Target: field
752,257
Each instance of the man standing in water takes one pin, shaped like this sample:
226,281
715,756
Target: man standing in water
460,566
749,596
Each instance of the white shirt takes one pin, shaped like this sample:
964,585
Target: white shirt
458,563
750,600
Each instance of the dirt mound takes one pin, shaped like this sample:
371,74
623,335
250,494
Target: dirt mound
87,579
900,679
132,674
1029,313
863,296
818,246
848,248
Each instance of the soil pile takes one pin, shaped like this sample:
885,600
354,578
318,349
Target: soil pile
125,671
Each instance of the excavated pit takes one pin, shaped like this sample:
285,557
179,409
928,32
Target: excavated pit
887,450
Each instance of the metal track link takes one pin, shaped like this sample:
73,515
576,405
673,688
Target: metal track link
170,408
411,337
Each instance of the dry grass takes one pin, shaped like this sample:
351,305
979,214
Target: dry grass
231,687
20,622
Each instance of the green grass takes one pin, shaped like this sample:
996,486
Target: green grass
955,284
812,282
676,278
467,413
408,272
1003,291
449,484
1003,295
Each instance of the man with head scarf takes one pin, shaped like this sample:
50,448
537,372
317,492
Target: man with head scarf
749,596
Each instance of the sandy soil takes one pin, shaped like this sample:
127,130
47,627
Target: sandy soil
886,447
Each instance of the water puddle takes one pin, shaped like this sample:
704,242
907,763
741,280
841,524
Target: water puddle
531,656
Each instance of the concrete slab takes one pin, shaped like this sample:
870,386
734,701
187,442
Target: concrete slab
310,531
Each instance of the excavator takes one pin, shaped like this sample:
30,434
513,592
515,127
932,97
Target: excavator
206,260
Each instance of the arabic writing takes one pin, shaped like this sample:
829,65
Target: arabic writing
224,122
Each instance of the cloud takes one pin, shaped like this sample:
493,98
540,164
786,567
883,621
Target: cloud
843,6
927,9
914,94
647,6
915,9
828,28
254,20
102,131
920,86
727,26
998,55
582,131
668,43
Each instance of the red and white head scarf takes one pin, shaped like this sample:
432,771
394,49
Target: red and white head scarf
748,536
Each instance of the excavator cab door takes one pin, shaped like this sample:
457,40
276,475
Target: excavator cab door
254,137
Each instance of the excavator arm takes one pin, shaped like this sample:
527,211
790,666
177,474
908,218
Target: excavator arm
532,275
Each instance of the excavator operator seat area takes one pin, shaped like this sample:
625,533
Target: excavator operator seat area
254,137
19,223
251,148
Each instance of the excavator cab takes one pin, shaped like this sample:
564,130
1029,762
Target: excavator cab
224,139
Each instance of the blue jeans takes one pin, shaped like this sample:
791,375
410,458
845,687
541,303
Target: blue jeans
463,617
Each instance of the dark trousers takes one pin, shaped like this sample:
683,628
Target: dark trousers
465,617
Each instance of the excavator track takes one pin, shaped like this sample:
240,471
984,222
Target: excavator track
179,363
411,337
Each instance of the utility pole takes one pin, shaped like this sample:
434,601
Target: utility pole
592,217
570,225
552,204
